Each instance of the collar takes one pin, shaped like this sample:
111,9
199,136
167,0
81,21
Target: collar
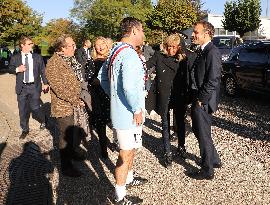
23,54
205,44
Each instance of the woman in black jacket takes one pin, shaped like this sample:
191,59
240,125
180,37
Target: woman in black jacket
100,115
169,90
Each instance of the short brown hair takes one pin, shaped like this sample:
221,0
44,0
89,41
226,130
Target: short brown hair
60,42
127,24
207,27
23,40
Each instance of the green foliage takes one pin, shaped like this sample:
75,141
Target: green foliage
242,16
173,15
102,17
16,20
56,28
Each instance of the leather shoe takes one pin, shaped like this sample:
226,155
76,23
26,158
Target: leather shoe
72,172
42,126
201,175
168,160
181,151
24,134
173,137
218,165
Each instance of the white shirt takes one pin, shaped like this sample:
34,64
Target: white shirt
205,44
31,66
87,53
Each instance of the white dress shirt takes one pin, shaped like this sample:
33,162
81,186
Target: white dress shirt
31,66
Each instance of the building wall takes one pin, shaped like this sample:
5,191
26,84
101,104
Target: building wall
262,33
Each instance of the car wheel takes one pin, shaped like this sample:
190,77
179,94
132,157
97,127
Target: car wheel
230,86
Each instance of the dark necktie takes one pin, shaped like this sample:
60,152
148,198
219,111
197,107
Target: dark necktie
26,72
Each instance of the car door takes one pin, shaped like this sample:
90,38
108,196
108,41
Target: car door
250,69
267,73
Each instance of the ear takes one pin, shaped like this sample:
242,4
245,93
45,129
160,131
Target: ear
134,31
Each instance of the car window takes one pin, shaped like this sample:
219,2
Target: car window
223,42
253,56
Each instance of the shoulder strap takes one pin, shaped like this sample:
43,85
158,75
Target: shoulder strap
115,53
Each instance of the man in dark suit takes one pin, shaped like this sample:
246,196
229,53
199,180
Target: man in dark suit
29,70
84,53
205,78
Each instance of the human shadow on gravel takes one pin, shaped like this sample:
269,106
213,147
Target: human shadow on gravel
93,187
2,147
28,174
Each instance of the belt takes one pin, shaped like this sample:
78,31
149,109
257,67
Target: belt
29,83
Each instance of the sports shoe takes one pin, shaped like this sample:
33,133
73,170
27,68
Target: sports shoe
129,200
137,181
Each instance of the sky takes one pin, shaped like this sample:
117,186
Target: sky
52,9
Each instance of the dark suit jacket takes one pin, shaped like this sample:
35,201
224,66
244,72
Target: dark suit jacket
38,69
207,73
81,56
169,82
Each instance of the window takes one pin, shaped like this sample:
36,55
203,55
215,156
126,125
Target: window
253,56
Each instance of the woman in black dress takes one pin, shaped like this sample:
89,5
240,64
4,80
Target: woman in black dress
100,114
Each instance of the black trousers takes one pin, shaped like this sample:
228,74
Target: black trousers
29,100
179,112
69,139
201,126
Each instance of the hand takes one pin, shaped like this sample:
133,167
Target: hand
81,104
138,119
199,103
21,69
45,88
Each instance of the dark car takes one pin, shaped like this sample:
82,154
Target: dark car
248,67
225,44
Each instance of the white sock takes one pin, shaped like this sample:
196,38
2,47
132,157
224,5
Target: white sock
120,192
129,177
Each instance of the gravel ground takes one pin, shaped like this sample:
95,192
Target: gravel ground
241,135
241,132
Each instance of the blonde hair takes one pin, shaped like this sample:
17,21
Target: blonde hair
107,41
174,39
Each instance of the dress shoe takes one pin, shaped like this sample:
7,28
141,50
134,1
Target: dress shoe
72,172
129,200
173,137
181,152
215,165
24,134
168,160
137,181
42,126
201,175
218,165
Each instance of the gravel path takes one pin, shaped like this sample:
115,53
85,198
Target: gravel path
241,133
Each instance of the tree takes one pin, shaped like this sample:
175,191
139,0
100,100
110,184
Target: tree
242,16
173,15
16,20
102,17
54,29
